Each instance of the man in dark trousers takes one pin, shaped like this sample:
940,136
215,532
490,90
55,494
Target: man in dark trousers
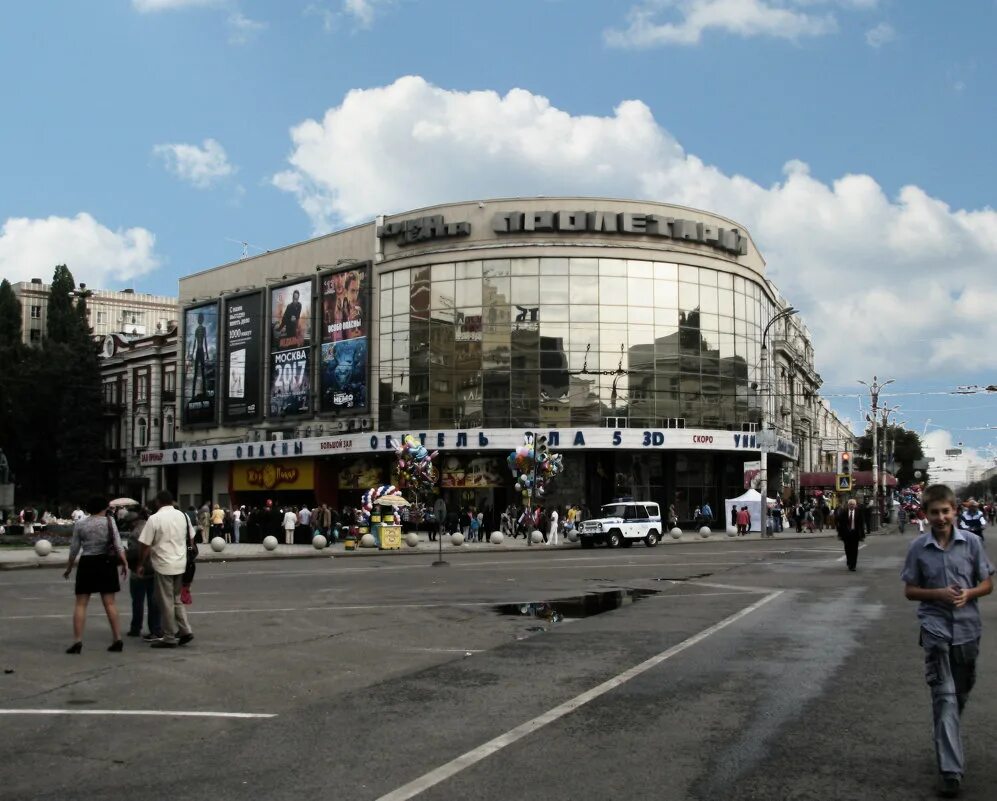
851,530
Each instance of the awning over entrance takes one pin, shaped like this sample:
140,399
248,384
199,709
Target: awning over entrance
860,478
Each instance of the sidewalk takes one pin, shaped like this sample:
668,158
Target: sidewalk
12,558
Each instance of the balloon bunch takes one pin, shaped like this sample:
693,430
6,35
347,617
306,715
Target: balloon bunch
371,495
414,464
533,471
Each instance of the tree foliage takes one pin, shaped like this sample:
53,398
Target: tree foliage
50,411
10,316
905,445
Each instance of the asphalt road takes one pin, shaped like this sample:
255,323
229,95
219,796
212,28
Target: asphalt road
752,670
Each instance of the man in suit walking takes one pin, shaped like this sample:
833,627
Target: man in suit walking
851,530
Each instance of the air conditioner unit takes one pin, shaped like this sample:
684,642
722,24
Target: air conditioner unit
275,435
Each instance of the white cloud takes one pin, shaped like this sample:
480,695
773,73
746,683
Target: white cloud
952,470
96,255
880,35
361,13
364,11
651,23
199,166
171,5
242,29
879,278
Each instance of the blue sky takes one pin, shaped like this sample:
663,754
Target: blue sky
852,137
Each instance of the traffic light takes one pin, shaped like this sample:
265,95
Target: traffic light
846,463
541,449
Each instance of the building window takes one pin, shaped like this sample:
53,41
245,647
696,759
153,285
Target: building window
169,385
169,429
143,433
100,317
35,335
142,387
36,312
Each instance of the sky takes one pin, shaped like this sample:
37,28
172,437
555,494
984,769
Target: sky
143,140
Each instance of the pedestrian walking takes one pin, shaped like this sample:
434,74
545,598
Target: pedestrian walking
142,588
742,519
290,522
947,570
972,519
473,527
851,531
237,523
164,541
96,540
901,518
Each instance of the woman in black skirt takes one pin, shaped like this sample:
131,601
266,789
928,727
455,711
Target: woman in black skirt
96,536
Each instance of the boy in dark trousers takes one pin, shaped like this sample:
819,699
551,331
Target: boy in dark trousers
947,570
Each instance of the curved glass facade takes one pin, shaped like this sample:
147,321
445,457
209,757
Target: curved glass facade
507,343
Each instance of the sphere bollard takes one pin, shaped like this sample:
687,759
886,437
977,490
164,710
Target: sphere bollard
731,531
496,538
270,542
43,547
412,539
536,537
572,536
217,544
367,540
676,533
457,539
705,532
319,542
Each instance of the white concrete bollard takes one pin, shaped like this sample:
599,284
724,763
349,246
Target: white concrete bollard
270,542
536,537
572,536
731,531
457,539
412,539
319,542
367,540
676,533
496,538
217,544
705,532
43,547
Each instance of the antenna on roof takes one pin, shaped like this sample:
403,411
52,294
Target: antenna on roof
246,246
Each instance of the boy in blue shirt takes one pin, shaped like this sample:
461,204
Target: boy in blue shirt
947,570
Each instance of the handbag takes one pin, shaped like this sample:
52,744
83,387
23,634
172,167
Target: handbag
191,566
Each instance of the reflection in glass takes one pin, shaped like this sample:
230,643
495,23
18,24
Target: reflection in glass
554,289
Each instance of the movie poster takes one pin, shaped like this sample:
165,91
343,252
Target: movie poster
461,472
291,316
244,335
344,375
290,383
345,306
200,360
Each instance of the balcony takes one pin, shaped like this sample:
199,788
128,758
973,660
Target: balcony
112,407
112,455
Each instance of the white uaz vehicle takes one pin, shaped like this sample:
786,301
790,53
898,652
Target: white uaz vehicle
622,523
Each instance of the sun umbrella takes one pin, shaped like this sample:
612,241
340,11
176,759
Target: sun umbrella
124,502
392,500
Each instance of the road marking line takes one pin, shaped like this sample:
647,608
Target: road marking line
140,712
444,772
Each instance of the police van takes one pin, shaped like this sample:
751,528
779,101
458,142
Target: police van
622,523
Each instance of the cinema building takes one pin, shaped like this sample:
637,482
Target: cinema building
629,333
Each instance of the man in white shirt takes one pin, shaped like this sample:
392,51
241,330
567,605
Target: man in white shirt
77,514
290,521
552,534
305,516
236,523
165,536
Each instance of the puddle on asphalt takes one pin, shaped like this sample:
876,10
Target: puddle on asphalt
593,603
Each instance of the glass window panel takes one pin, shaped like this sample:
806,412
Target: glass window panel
554,288
640,335
612,336
708,322
725,302
639,269
495,291
468,269
640,291
579,360
468,292
707,277
553,266
554,336
688,273
495,268
584,289
666,271
443,272
613,267
402,278
666,294
385,347
726,324
725,280
401,299
642,315
612,290
385,303
525,266
581,313
443,299
555,314
688,296
584,266
525,291
738,284
739,301
708,299
613,314
666,317
583,337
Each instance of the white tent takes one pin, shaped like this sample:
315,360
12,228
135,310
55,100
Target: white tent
753,500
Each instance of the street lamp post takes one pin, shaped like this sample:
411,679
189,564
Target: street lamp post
766,394
874,389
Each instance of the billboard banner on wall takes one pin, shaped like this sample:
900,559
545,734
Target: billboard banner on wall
344,374
200,360
291,316
244,338
290,383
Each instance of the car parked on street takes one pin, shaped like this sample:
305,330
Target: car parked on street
622,523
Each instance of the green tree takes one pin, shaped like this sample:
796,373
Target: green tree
10,316
906,447
63,323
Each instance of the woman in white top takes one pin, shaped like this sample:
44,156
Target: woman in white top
290,521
